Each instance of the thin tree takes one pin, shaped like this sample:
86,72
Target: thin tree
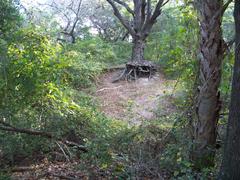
230,168
208,105
143,16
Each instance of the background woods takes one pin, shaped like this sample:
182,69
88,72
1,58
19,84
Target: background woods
176,91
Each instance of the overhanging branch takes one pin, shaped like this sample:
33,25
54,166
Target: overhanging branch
151,19
157,10
121,18
125,5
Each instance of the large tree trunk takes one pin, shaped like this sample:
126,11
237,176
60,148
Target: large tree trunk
143,18
138,50
230,169
208,104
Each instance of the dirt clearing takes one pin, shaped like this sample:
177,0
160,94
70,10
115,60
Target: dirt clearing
135,101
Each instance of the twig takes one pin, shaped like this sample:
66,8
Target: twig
103,89
23,169
73,144
60,147
67,148
122,76
62,176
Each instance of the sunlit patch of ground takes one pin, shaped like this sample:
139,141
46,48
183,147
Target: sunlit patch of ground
135,101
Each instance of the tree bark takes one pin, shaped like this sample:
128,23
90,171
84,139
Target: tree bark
144,16
230,169
138,49
208,104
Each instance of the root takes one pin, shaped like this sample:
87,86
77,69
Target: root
121,77
135,69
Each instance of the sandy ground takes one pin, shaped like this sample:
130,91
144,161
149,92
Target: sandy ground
135,101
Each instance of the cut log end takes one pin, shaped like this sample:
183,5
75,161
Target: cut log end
136,69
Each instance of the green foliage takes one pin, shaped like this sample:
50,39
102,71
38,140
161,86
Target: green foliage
95,50
32,67
122,50
227,69
102,146
45,86
83,70
37,91
42,88
5,176
28,78
9,16
228,24
174,47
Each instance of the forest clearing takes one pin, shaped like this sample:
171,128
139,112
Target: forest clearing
137,101
119,89
138,104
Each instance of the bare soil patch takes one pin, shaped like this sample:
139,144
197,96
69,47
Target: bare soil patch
134,101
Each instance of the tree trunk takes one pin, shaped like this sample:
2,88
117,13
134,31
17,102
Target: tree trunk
144,15
138,50
73,39
208,103
143,18
230,169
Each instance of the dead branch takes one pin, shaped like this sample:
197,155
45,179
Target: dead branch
8,127
61,176
103,89
121,77
64,153
73,144
23,169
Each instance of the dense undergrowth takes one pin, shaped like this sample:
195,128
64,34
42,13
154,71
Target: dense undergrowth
48,87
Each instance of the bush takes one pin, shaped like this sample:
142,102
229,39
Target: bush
82,71
37,93
93,49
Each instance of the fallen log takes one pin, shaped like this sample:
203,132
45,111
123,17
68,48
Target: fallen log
8,127
24,169
27,131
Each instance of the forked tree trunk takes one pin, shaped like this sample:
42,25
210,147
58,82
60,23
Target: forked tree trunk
230,169
138,50
208,104
144,15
